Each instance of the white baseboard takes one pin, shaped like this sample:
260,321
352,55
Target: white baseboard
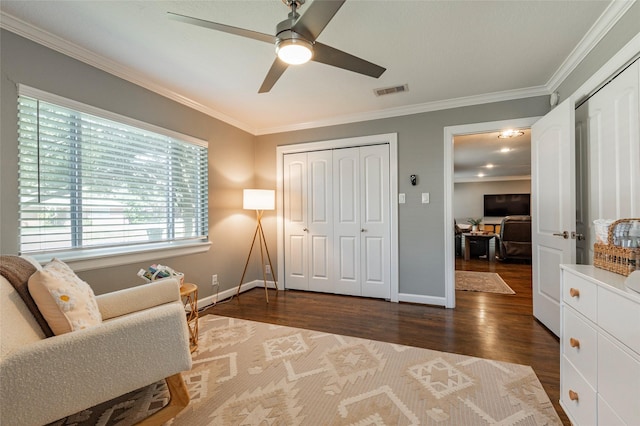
425,300
226,294
223,295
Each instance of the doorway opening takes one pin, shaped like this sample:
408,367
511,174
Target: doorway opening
451,134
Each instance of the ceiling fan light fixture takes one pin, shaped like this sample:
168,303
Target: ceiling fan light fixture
294,51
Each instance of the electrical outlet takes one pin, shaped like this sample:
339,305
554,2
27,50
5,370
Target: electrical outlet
214,280
267,269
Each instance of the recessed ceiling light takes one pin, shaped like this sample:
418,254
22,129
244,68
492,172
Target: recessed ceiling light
510,134
480,174
489,166
505,150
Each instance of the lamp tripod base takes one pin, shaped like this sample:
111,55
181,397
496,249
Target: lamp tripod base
259,235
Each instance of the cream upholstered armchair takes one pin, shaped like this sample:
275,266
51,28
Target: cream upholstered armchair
143,338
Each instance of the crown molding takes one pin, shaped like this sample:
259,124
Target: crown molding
486,98
611,15
37,35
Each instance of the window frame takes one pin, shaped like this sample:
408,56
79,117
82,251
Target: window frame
98,257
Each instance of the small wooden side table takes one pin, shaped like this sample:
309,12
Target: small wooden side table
189,296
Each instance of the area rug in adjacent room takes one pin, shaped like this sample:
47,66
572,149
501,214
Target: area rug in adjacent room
488,282
252,373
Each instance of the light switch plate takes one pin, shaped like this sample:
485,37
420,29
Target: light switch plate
425,198
402,198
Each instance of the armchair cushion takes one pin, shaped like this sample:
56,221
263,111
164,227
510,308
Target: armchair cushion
67,303
138,298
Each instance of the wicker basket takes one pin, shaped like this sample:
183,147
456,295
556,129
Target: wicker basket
620,260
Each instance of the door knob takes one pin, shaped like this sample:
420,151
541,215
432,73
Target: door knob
564,235
305,230
363,230
577,236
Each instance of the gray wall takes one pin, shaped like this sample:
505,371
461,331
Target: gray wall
468,197
421,152
231,158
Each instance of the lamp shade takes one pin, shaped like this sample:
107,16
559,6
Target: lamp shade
258,199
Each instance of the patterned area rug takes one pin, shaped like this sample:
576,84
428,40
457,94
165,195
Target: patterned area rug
488,282
251,373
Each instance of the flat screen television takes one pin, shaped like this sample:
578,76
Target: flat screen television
507,205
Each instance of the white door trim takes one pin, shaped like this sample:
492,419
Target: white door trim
449,133
388,138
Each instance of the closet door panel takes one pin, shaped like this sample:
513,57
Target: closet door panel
374,261
297,259
295,218
319,224
374,181
614,139
346,226
348,265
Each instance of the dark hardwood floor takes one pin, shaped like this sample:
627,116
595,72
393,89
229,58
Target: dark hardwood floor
487,325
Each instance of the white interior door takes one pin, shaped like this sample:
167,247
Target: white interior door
552,208
295,221
374,222
319,221
346,221
337,221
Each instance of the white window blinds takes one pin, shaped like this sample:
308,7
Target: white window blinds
90,182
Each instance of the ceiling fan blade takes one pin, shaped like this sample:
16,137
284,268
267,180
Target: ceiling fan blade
313,21
277,69
267,38
337,58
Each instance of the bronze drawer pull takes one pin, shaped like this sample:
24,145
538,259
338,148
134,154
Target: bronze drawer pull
574,292
574,343
573,395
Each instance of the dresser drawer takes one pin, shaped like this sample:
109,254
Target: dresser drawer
619,379
580,344
620,317
582,408
579,293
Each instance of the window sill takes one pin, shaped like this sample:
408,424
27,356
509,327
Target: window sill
84,260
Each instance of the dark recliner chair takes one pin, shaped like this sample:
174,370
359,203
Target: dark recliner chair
515,238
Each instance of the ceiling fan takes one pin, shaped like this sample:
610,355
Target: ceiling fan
295,40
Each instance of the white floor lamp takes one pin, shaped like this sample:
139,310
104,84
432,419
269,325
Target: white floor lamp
259,200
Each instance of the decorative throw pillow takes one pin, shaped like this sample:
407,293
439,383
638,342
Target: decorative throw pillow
65,301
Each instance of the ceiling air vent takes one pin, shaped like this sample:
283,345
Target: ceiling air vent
389,90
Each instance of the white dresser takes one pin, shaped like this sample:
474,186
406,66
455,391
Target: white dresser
599,347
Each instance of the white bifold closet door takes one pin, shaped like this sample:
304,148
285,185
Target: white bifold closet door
308,212
337,227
